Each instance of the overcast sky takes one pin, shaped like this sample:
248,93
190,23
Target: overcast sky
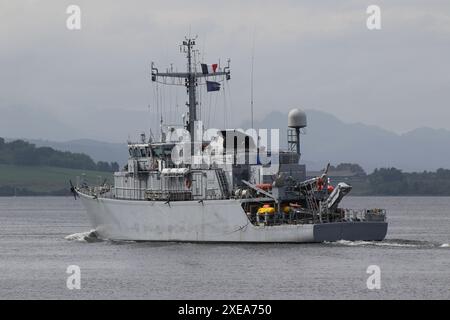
94,83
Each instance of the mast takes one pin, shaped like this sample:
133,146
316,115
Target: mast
190,81
191,88
251,87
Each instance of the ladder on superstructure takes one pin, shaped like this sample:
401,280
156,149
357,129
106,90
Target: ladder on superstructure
221,177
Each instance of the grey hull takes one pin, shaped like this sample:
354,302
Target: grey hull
352,231
209,221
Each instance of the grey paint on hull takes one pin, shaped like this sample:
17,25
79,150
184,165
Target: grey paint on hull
352,231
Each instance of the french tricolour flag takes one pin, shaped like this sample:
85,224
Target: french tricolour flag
209,68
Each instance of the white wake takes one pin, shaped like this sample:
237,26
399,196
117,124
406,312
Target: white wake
390,243
88,236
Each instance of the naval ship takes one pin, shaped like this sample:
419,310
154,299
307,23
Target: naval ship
233,194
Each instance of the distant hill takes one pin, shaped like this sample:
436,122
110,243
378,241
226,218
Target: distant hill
19,121
328,138
20,152
97,150
29,170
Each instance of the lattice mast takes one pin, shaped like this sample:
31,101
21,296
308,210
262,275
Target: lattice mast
190,81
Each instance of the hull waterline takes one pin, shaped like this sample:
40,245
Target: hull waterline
209,221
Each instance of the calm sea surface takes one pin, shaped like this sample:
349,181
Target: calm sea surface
35,251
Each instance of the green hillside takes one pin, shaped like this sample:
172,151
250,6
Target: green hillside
43,180
22,153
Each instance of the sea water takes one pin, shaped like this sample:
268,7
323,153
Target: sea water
40,237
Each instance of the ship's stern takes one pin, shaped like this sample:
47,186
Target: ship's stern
351,231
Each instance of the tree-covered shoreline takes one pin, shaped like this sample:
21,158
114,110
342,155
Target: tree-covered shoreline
391,181
26,170
22,153
394,182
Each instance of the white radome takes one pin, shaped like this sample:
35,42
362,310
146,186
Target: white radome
297,118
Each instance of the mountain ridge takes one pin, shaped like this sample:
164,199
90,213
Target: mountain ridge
331,139
327,138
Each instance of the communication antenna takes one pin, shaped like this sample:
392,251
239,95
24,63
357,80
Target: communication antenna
150,137
191,78
251,85
162,134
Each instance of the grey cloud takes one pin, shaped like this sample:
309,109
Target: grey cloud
313,54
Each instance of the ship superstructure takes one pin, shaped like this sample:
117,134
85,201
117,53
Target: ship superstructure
227,187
